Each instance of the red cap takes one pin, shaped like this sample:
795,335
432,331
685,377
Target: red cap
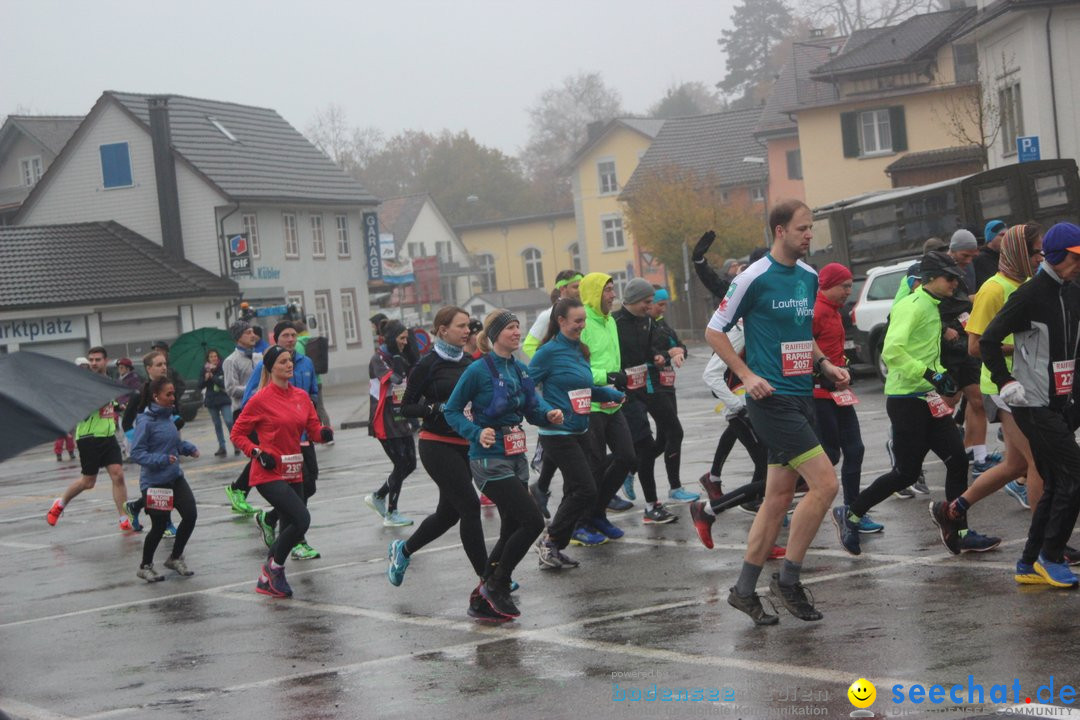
832,275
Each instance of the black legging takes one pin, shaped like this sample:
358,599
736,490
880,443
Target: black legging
571,453
669,433
547,472
402,452
609,431
287,500
310,475
448,466
1057,456
521,523
739,428
838,430
184,502
636,412
916,432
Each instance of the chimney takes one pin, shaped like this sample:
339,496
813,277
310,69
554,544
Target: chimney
594,129
172,239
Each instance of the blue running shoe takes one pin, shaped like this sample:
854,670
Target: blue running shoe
682,495
618,505
978,468
586,537
846,530
628,487
1018,491
995,457
868,526
170,530
974,542
603,526
1026,575
398,562
1056,574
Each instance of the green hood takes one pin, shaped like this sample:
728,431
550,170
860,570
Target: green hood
592,290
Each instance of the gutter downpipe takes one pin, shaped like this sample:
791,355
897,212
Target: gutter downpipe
223,250
1053,91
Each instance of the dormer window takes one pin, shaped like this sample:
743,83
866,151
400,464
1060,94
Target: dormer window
224,130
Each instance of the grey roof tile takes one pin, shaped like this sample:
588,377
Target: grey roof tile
398,215
795,75
649,127
51,131
526,299
935,158
94,263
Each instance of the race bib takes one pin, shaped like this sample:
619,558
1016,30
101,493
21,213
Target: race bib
843,398
938,407
581,401
609,405
963,318
797,358
635,377
292,467
159,498
109,413
667,377
1063,376
399,393
514,442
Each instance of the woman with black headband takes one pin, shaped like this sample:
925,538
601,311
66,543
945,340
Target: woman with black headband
279,414
502,396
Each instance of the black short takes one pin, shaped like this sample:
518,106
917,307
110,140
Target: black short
787,424
969,372
98,452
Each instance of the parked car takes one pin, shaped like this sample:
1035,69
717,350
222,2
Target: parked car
190,401
870,314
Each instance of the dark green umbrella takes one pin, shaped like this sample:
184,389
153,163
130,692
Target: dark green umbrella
188,354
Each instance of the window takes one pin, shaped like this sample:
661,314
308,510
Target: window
575,257
444,250
343,249
794,164
1050,191
534,268
757,194
994,200
875,132
608,183
446,289
415,249
724,196
251,227
1012,117
613,234
296,297
349,315
485,268
292,239
477,311
115,165
31,170
324,316
221,128
885,285
318,244
618,281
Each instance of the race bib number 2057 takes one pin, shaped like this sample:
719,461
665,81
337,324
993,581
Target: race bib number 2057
797,358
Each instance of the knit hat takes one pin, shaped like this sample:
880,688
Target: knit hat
1060,239
126,362
281,326
992,229
963,240
727,265
238,328
832,275
661,295
637,290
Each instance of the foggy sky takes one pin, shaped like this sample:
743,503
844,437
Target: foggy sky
395,64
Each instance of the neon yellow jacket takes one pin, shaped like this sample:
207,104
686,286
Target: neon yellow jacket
912,344
600,334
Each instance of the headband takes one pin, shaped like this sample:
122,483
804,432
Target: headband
271,355
559,285
498,324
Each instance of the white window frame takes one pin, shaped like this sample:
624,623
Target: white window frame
444,250
290,236
615,233
534,267
415,250
607,181
485,269
350,316
31,170
324,316
250,224
757,194
874,125
1011,116
318,238
344,249
575,256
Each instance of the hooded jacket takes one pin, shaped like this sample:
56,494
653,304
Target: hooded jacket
912,344
601,334
156,438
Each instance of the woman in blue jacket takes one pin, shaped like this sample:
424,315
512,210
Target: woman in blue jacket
157,447
561,366
502,396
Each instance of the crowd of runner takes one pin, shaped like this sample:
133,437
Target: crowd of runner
976,337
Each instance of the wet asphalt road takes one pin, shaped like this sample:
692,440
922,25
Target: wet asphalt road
82,637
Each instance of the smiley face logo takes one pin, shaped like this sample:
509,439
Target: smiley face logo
861,693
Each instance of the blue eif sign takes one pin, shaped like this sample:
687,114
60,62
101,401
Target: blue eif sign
1027,148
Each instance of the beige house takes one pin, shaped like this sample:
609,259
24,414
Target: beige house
523,252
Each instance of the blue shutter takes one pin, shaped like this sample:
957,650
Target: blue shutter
115,165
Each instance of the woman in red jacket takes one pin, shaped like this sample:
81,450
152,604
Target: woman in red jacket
279,414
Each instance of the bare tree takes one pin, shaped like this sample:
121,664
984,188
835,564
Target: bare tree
847,16
349,147
974,118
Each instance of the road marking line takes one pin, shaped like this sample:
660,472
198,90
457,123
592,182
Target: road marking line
30,712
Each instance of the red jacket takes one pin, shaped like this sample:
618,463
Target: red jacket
828,329
279,416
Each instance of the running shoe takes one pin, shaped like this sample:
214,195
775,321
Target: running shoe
541,499
568,562
1026,575
847,532
603,526
147,573
396,519
587,537
628,487
919,486
1071,556
378,504
272,582
54,512
238,500
303,551
801,488
71,456
170,529
868,526
712,488
59,457
751,605
703,523
480,610
995,456
133,515
978,468
656,515
485,501
974,542
618,505
778,552
682,495
179,566
1057,574
499,598
1018,491
949,528
266,528
221,452
751,507
905,493
125,525
549,555
794,598
398,562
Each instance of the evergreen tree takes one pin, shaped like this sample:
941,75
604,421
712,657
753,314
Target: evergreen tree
758,25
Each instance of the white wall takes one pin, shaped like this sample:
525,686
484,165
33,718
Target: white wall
430,228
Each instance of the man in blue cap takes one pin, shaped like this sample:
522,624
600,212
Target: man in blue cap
986,263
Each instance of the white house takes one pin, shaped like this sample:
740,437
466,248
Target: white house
188,173
28,146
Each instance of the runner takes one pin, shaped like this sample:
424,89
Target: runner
561,366
920,395
237,369
774,298
388,369
216,400
988,261
1042,315
502,396
95,438
157,448
279,414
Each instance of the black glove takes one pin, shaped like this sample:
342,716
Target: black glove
703,245
399,366
266,460
618,379
433,410
942,382
327,435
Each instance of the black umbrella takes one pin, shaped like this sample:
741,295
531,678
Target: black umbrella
42,398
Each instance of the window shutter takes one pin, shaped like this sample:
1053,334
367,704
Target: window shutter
849,129
898,129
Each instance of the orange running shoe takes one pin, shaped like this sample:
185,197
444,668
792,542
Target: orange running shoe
54,512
